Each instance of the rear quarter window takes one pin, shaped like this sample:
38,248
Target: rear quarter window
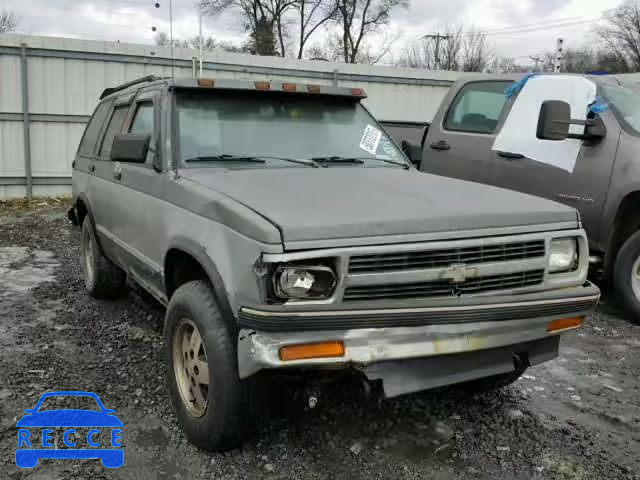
115,126
477,107
91,132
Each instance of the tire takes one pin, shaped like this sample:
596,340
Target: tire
217,418
103,279
626,276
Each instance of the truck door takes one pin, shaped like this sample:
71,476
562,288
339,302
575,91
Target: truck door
460,138
584,187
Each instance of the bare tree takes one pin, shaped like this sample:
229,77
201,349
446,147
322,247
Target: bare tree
456,49
162,39
8,21
265,19
357,19
621,33
312,14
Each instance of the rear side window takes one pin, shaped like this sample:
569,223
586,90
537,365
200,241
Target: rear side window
114,127
143,119
477,107
90,137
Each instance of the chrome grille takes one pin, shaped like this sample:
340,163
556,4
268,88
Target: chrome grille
503,252
443,288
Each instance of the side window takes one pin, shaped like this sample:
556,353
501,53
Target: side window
114,127
143,118
90,137
477,107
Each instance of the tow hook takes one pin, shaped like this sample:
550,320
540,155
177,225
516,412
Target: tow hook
311,394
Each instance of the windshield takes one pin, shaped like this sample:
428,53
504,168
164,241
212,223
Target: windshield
263,125
625,104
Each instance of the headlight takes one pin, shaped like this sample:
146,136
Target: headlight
314,282
564,255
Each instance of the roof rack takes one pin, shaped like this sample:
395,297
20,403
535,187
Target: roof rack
148,78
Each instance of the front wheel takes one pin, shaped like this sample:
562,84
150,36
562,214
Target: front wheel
626,276
212,404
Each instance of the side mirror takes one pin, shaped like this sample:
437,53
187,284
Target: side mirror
413,152
555,119
130,147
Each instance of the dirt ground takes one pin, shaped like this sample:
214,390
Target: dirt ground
577,417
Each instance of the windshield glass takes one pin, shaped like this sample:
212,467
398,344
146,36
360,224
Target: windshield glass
625,104
263,125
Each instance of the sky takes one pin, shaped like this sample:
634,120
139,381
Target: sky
518,29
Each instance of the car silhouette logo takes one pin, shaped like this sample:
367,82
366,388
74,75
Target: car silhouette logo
69,419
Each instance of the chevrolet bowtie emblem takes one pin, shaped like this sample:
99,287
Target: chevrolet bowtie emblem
459,272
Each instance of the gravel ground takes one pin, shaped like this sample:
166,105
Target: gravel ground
576,417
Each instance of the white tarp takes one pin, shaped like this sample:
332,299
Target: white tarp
518,135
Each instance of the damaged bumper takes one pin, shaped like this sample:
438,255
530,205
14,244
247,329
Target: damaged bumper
475,338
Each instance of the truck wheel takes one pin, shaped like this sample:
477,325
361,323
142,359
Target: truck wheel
102,277
212,404
626,276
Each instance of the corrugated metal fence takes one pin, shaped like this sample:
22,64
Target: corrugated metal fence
50,86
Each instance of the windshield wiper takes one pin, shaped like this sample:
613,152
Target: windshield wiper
358,160
248,158
224,158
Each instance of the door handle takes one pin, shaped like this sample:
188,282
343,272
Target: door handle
510,155
92,167
440,145
117,174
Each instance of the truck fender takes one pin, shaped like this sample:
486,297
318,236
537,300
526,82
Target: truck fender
192,248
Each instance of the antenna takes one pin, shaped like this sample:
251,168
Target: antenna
171,36
175,160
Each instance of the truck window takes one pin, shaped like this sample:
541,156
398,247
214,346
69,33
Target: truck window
90,137
114,127
477,107
143,119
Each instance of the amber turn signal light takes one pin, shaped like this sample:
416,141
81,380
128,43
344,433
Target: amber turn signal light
206,82
564,324
289,87
312,350
262,85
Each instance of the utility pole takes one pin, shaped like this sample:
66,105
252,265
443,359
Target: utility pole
200,36
559,48
437,37
537,61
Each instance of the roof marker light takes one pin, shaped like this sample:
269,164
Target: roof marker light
262,85
289,87
206,82
313,88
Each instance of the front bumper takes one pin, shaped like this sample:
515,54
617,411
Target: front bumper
410,332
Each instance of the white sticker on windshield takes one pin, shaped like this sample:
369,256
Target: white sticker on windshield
370,139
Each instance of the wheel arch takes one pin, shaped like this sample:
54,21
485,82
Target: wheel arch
184,249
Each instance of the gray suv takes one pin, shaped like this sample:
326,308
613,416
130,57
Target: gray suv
292,241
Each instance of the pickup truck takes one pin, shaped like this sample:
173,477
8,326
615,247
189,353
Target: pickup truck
291,241
604,185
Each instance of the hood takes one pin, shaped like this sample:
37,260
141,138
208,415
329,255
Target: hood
317,204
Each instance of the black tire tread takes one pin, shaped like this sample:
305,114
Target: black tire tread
623,264
110,279
237,409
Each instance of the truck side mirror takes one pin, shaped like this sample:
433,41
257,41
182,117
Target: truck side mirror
554,120
130,147
413,153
